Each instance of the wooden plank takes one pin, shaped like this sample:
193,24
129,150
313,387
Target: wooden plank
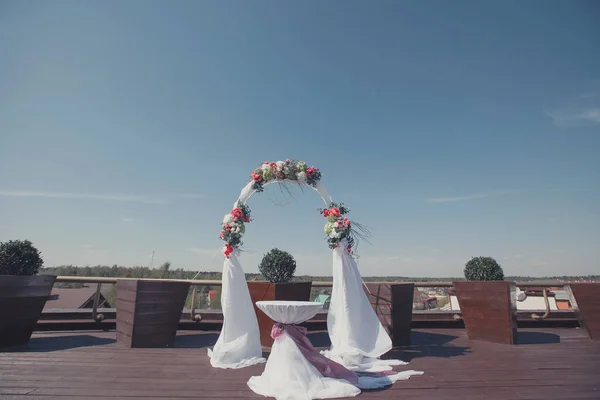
401,313
148,312
585,299
488,310
455,368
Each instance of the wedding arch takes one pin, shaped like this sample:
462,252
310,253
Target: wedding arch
357,336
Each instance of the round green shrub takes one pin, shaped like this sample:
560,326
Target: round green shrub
278,266
483,269
19,257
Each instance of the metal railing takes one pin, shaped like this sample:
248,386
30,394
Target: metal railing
196,316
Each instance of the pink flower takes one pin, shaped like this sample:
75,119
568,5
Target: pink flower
273,165
228,250
310,172
288,161
222,235
335,212
237,213
256,177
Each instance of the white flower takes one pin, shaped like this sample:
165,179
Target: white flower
335,234
228,219
280,165
265,167
301,176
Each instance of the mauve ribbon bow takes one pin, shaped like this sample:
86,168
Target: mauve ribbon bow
324,365
278,328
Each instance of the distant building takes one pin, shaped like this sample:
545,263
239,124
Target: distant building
74,298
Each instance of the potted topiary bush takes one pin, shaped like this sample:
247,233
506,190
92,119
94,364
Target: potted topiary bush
487,302
278,268
23,294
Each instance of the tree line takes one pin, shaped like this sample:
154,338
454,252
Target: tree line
165,272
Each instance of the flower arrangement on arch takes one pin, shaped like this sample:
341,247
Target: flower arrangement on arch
281,170
233,227
339,227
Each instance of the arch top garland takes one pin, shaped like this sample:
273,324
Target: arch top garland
338,228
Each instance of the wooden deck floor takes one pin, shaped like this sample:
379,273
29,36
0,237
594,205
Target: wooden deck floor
548,364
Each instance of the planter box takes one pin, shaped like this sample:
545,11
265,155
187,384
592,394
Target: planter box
489,310
22,299
259,291
393,305
585,300
148,312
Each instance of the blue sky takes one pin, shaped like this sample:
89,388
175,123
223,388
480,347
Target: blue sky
451,129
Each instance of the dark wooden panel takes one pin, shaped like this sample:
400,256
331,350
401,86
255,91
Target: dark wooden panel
22,299
148,313
393,305
585,299
402,305
488,310
265,291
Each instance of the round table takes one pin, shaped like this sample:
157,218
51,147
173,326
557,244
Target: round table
288,374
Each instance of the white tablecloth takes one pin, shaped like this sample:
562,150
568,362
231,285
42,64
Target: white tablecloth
289,312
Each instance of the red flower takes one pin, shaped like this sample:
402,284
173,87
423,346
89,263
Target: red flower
228,250
222,235
335,212
246,219
336,246
273,165
237,213
256,177
326,213
310,172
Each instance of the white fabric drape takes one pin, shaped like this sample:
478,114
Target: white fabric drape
238,345
357,337
248,191
289,376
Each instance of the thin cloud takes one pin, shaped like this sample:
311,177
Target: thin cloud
468,197
84,196
575,118
578,111
192,196
127,219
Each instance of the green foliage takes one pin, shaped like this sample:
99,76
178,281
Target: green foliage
483,269
278,266
19,257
